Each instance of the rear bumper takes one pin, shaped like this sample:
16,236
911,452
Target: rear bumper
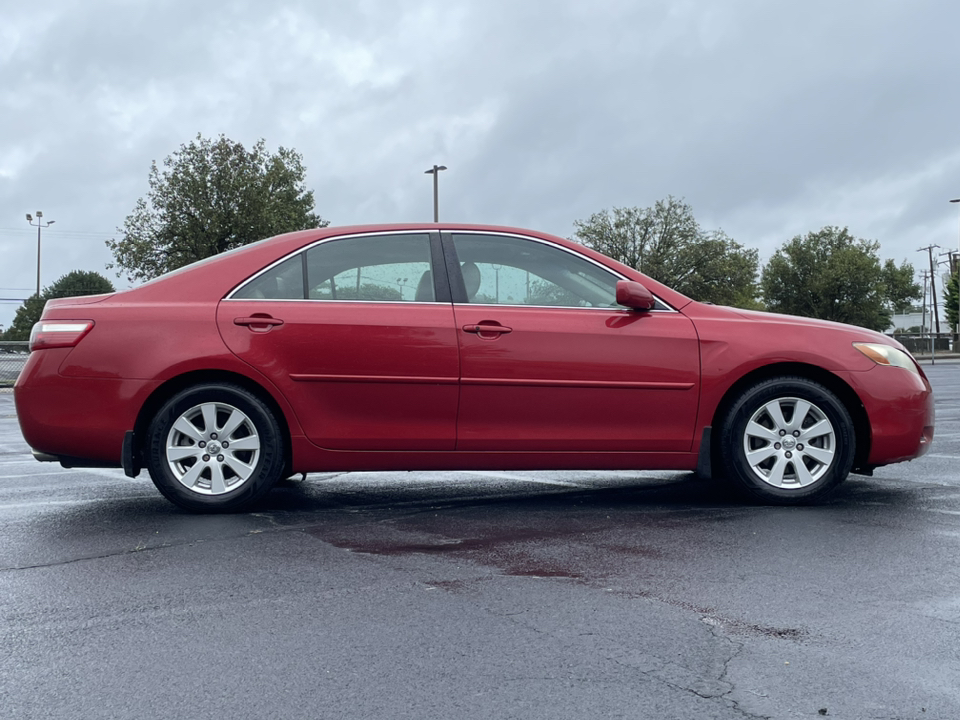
78,422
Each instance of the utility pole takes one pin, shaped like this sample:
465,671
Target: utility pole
933,284
923,306
435,171
957,200
923,321
951,261
40,224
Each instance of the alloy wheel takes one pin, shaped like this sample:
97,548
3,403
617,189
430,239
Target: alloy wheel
789,443
212,448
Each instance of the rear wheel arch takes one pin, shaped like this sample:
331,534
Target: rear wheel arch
176,384
831,382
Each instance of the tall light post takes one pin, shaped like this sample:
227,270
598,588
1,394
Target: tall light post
957,200
40,224
435,171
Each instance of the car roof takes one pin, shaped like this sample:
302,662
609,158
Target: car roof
212,278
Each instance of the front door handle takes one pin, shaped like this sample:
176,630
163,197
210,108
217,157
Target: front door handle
483,329
260,323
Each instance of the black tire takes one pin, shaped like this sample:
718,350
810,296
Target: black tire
780,469
208,418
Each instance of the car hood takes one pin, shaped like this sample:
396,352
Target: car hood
862,333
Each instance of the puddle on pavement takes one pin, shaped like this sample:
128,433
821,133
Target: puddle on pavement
588,549
510,552
442,545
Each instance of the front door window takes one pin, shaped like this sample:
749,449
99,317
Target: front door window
503,270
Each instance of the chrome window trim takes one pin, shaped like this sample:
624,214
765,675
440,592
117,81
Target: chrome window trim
305,248
667,308
617,308
403,303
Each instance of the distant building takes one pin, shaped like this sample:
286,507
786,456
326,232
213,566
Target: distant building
901,322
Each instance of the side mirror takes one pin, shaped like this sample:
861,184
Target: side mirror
634,295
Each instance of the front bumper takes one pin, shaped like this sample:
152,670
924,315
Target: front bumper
900,408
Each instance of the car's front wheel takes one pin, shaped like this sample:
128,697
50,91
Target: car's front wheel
214,448
787,441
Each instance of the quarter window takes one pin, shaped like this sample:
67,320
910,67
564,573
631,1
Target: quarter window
281,282
392,268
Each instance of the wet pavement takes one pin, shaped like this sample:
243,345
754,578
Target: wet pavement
482,595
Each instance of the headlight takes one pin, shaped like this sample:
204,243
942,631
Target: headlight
888,355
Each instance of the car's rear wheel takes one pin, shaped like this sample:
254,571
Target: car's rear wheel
787,441
214,448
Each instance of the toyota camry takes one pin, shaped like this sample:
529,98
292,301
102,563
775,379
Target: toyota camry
444,347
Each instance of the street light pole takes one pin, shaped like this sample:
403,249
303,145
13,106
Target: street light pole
40,224
435,171
957,200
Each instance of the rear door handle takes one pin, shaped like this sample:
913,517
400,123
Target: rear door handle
500,329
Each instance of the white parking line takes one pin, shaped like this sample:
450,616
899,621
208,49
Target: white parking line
43,503
38,474
113,473
948,457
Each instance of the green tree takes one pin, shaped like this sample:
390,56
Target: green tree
546,293
666,243
830,274
23,321
73,284
950,299
212,196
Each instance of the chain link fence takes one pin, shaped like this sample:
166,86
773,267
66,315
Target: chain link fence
927,344
13,356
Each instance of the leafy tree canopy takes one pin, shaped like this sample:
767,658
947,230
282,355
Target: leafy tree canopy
666,243
830,274
212,196
950,299
73,284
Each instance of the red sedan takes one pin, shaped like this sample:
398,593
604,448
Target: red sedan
443,347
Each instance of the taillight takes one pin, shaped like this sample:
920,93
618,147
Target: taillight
58,333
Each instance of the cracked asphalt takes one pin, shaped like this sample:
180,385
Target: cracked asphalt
482,595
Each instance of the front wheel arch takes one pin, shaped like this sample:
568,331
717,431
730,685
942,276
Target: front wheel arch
846,394
787,441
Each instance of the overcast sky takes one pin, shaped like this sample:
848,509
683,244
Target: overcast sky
771,119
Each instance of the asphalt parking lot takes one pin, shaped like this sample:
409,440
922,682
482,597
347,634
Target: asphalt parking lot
482,595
